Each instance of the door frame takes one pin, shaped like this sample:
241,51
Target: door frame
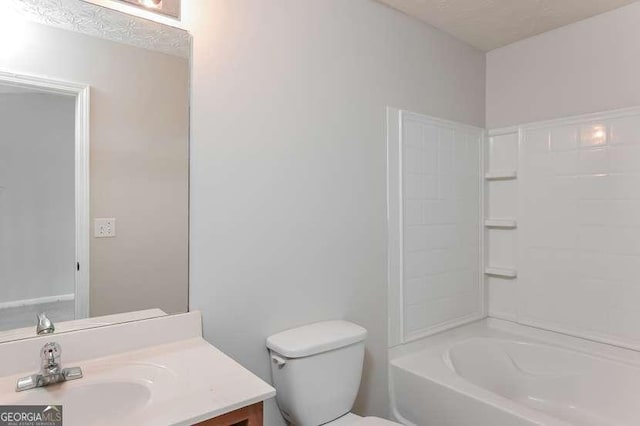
81,94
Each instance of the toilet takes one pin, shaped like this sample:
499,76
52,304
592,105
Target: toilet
316,371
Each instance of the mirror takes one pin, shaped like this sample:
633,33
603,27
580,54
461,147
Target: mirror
94,143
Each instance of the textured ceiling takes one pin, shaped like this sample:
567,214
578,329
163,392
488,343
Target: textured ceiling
488,24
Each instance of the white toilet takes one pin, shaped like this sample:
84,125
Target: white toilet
316,372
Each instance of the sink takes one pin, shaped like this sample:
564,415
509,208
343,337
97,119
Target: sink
107,393
91,403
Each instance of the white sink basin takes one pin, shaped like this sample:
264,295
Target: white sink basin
106,393
93,403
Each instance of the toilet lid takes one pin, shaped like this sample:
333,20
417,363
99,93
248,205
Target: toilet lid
375,421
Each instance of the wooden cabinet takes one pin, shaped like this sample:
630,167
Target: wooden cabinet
247,416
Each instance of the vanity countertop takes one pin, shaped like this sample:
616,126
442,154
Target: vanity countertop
180,382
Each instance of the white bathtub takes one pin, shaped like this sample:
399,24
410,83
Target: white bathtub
497,373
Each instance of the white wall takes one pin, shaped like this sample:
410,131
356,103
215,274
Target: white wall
589,66
37,196
288,193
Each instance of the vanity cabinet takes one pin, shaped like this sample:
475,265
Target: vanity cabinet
247,416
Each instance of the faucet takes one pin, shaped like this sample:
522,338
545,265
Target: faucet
45,325
51,370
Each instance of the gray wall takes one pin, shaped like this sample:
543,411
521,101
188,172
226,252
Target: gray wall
288,177
590,66
37,196
139,161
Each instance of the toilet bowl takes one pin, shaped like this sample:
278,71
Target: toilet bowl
316,370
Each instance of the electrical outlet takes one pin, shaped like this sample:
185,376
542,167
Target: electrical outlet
104,228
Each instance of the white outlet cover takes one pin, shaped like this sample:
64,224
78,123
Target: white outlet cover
104,227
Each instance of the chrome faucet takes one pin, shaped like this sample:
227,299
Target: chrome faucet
45,325
51,370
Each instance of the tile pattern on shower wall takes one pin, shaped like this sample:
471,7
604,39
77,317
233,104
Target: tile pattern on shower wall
579,236
440,224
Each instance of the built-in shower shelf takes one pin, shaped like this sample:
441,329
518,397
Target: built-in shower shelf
501,175
501,272
501,223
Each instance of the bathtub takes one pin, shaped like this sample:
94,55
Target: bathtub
498,373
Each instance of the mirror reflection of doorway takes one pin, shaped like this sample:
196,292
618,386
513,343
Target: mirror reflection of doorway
38,206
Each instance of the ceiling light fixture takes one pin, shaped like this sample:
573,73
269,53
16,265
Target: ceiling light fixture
151,4
170,8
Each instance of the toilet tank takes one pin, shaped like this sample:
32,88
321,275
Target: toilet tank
316,370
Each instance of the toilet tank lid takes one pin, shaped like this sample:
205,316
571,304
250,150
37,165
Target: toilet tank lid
316,338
